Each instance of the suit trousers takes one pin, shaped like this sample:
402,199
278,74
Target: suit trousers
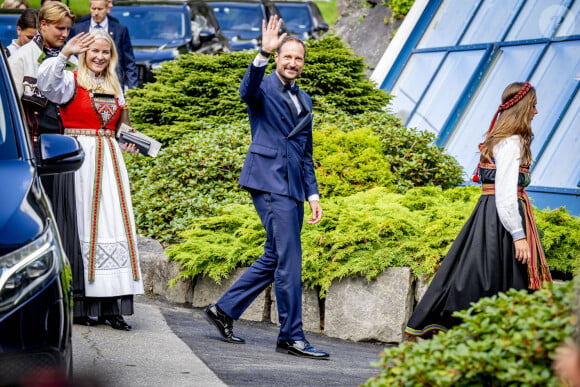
281,263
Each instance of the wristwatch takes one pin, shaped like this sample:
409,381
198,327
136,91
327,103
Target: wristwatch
265,54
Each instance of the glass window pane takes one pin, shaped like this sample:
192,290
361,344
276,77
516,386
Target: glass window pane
538,19
444,29
412,82
555,80
571,23
445,90
559,165
509,65
490,25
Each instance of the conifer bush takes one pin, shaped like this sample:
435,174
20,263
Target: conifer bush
359,235
505,340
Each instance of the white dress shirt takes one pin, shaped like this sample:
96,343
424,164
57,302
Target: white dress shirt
507,155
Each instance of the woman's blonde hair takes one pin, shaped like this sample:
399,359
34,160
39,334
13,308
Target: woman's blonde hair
110,84
515,114
54,12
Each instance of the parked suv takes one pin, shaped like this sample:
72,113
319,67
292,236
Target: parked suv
302,18
8,19
241,21
35,275
160,30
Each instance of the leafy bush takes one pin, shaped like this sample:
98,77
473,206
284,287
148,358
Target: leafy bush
190,178
359,235
349,162
505,340
400,7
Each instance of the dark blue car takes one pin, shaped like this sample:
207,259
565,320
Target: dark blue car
160,30
241,21
8,19
35,275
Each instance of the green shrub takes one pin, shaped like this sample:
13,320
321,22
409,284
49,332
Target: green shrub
349,162
359,235
505,340
400,7
190,178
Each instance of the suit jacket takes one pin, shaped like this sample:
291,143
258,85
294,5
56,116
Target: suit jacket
126,68
279,159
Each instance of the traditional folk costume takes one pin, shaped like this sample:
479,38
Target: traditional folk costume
481,262
108,275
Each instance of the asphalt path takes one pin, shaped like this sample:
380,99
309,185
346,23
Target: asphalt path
256,363
171,345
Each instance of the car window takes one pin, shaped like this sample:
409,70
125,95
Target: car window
152,22
296,17
239,17
8,149
8,28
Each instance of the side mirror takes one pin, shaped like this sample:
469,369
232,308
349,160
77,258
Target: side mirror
323,26
59,154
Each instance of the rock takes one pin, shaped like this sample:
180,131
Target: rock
157,271
207,291
366,27
420,289
310,310
377,311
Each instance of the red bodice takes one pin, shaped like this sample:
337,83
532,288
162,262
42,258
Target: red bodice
89,110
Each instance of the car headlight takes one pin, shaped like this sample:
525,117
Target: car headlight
24,271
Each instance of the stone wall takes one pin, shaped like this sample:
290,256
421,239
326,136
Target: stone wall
354,309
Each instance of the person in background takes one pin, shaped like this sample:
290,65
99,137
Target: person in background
126,69
93,107
26,28
498,248
279,175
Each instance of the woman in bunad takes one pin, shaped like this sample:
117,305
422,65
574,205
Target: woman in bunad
498,248
92,108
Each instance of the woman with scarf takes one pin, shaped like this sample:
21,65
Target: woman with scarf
498,248
92,107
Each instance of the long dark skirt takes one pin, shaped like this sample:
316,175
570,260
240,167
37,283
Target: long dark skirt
61,193
480,263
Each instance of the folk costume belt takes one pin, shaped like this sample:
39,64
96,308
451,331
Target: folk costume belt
538,272
90,132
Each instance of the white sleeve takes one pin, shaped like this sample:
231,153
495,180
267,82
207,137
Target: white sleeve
260,62
507,156
54,82
16,63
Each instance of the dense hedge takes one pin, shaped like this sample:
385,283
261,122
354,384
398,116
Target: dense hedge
505,340
360,235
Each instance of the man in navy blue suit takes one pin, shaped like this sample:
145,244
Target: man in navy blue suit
126,68
279,174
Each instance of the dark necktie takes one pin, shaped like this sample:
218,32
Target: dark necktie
291,88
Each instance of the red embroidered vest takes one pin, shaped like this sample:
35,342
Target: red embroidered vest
89,110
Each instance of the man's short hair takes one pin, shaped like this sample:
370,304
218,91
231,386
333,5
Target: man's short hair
291,38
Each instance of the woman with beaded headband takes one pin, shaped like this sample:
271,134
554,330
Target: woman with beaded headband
498,248
92,109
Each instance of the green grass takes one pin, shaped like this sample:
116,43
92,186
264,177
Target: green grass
79,7
328,10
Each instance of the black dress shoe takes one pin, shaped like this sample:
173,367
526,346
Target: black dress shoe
301,348
223,323
86,321
116,322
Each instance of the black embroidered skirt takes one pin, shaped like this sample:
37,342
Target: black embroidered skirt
480,263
